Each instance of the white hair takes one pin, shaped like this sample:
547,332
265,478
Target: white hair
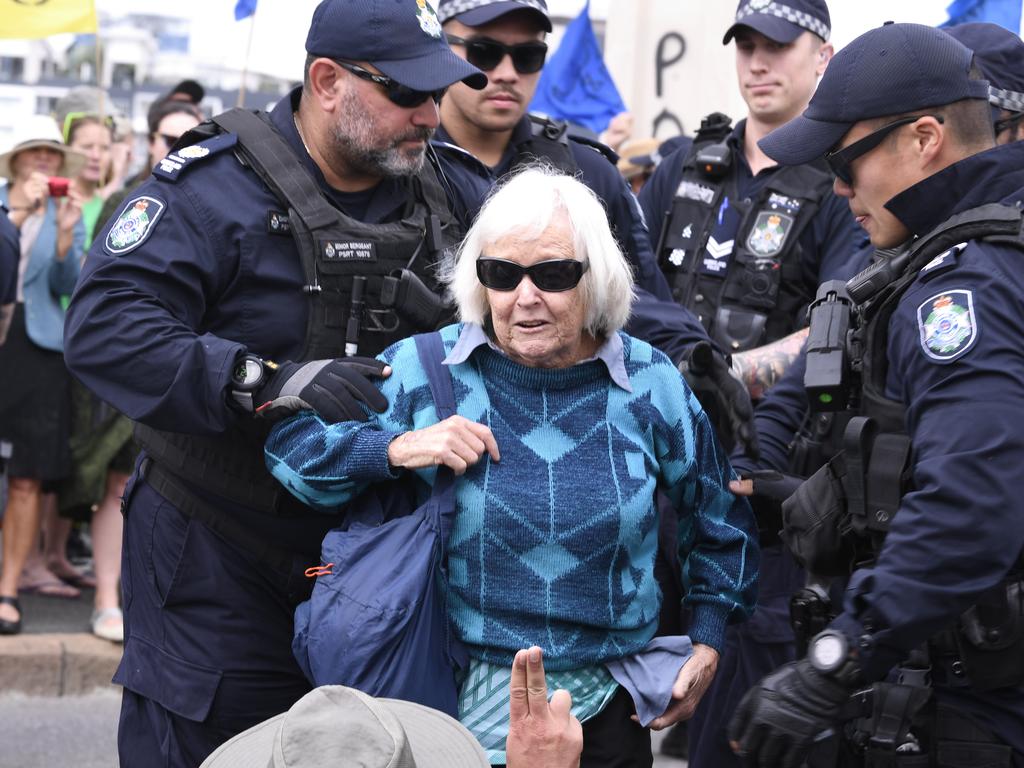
524,206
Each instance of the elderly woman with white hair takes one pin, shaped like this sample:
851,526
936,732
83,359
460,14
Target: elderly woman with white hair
566,428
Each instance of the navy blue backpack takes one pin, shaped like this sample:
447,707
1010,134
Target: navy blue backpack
377,619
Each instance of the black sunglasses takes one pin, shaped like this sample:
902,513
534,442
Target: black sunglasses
485,53
169,140
840,160
552,276
399,95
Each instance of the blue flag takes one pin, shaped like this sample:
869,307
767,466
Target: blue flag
244,9
575,85
1005,13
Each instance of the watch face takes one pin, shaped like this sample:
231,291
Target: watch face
248,372
829,651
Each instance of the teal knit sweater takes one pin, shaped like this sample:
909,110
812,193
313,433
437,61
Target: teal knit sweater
555,544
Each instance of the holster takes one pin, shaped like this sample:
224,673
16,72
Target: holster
815,519
985,650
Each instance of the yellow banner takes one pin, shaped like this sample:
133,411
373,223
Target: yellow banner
27,19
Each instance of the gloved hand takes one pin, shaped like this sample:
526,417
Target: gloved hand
723,397
780,718
335,389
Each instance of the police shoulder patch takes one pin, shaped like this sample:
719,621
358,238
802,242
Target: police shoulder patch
947,324
177,162
133,225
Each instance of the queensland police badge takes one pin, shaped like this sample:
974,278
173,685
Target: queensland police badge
947,324
428,19
769,233
133,226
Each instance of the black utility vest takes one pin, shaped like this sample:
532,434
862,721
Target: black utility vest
876,443
759,296
334,248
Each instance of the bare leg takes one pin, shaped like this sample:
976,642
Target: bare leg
36,573
106,542
21,535
56,530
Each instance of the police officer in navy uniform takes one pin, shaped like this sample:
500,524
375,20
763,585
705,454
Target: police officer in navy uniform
744,244
227,292
491,132
999,54
924,665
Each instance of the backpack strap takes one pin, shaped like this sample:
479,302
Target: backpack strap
441,506
430,348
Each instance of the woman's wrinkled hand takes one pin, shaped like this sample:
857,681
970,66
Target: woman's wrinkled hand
455,442
691,685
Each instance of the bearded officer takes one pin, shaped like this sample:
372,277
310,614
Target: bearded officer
224,295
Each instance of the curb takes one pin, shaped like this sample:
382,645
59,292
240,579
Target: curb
57,664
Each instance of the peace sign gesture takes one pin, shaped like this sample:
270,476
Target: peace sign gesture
541,734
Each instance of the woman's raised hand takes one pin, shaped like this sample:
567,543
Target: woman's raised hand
455,442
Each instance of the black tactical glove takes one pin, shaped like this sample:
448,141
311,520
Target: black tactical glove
335,389
723,397
781,717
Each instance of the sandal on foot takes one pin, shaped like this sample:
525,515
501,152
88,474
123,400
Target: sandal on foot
108,624
54,588
10,627
78,580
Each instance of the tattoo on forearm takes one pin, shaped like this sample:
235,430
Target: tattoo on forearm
760,369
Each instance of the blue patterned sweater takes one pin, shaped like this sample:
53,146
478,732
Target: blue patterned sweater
555,544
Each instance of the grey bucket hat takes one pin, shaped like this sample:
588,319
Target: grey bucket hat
337,726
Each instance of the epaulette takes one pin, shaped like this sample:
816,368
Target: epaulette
942,263
182,158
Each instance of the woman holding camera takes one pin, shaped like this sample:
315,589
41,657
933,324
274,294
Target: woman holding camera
34,405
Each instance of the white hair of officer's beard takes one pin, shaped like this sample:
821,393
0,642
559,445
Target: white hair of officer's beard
357,140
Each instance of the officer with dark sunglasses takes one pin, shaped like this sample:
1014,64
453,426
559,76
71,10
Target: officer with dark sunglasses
918,514
225,293
489,133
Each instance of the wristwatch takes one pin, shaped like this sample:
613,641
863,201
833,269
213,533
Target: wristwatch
250,373
829,653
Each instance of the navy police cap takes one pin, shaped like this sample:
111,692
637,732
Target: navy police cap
1000,55
782,22
891,70
476,13
401,38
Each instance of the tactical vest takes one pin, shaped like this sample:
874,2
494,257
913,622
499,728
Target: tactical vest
876,443
984,648
333,248
758,296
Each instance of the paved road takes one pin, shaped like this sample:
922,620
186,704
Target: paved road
80,731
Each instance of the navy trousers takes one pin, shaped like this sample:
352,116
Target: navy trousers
752,650
208,633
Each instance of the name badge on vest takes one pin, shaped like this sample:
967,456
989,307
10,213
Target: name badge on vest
350,250
278,223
